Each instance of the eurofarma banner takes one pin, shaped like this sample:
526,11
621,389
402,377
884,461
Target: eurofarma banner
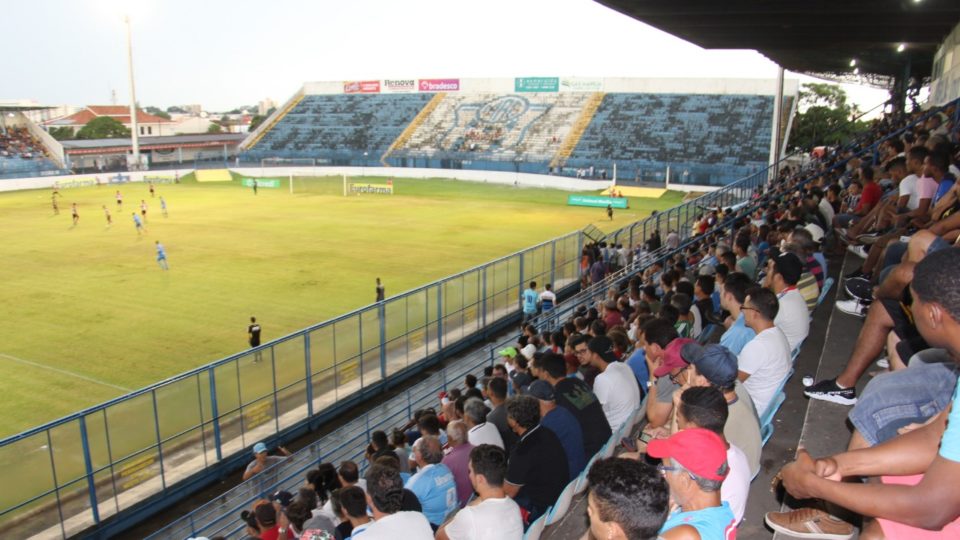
376,189
536,84
597,201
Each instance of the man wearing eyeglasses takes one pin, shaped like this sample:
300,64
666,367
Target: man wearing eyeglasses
765,360
695,466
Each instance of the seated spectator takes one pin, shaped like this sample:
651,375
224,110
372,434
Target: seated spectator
537,468
611,314
385,499
497,393
716,366
658,334
262,460
349,475
695,466
686,324
353,505
576,397
793,318
480,431
323,480
765,361
399,442
628,500
563,424
615,386
268,524
807,284
733,294
705,407
456,459
433,483
919,470
745,263
494,516
379,446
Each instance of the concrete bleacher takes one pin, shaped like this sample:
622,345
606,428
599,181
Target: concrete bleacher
21,154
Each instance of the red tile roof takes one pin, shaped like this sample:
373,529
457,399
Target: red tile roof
120,113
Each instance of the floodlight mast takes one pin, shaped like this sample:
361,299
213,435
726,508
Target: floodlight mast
135,130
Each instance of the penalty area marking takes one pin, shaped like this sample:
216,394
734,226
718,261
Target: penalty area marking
64,372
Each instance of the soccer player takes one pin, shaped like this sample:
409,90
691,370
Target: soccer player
137,222
119,200
163,206
381,291
76,215
254,186
162,256
610,211
253,334
143,209
53,201
152,191
106,212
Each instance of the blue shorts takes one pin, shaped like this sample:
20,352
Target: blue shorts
845,220
893,400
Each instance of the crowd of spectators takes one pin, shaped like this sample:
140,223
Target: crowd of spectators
17,142
698,345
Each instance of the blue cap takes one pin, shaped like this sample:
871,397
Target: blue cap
715,362
259,448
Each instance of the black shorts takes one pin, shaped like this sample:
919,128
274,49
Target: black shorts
911,342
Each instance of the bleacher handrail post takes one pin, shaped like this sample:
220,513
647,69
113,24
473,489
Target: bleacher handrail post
308,373
88,468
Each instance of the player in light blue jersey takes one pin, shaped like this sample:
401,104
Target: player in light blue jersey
162,256
163,206
138,223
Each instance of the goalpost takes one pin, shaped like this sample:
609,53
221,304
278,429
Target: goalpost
297,167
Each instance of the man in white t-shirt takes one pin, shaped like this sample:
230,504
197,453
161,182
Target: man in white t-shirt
385,498
491,515
616,385
705,407
765,360
793,318
479,430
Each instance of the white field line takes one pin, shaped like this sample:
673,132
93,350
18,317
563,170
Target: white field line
64,372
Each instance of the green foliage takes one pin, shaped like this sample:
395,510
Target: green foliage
156,111
103,127
825,117
175,109
62,133
215,128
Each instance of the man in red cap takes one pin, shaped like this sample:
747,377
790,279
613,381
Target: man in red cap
695,465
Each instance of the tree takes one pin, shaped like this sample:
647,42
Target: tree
177,110
825,118
61,133
215,128
156,111
259,118
103,127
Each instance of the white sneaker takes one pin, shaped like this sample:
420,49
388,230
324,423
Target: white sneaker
859,251
884,363
857,308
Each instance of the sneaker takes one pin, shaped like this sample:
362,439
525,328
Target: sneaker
828,390
869,238
859,251
809,523
884,363
855,307
859,288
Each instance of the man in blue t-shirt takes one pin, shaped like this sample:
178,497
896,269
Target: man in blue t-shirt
529,299
563,424
732,296
433,483
923,464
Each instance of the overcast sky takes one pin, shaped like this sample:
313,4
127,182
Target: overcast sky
223,54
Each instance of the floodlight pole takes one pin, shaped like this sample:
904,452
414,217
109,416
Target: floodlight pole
135,130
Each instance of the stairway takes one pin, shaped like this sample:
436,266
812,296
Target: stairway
271,122
579,126
412,126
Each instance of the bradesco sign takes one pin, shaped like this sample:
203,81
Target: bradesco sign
397,86
536,84
439,85
361,87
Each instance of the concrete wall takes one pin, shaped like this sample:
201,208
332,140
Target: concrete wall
945,86
80,180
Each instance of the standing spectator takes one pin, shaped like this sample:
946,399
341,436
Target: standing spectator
433,483
457,458
381,291
253,337
263,461
628,500
548,299
385,500
476,419
537,469
575,396
695,466
765,361
563,424
493,516
529,300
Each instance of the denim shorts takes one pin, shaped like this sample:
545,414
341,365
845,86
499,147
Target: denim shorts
893,400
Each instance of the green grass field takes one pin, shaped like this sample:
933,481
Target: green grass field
88,314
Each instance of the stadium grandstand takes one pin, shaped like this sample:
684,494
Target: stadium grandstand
25,148
693,358
708,132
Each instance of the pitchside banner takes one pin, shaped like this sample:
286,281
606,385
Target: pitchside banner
597,201
261,182
439,85
536,84
376,189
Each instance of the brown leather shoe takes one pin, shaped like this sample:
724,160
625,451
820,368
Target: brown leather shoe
809,523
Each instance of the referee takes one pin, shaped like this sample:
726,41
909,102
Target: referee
253,333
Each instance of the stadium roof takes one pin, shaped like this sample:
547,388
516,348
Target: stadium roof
120,113
106,146
818,37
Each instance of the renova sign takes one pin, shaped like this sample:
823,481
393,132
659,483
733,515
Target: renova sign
439,85
399,85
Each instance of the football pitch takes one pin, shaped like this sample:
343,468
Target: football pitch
88,314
